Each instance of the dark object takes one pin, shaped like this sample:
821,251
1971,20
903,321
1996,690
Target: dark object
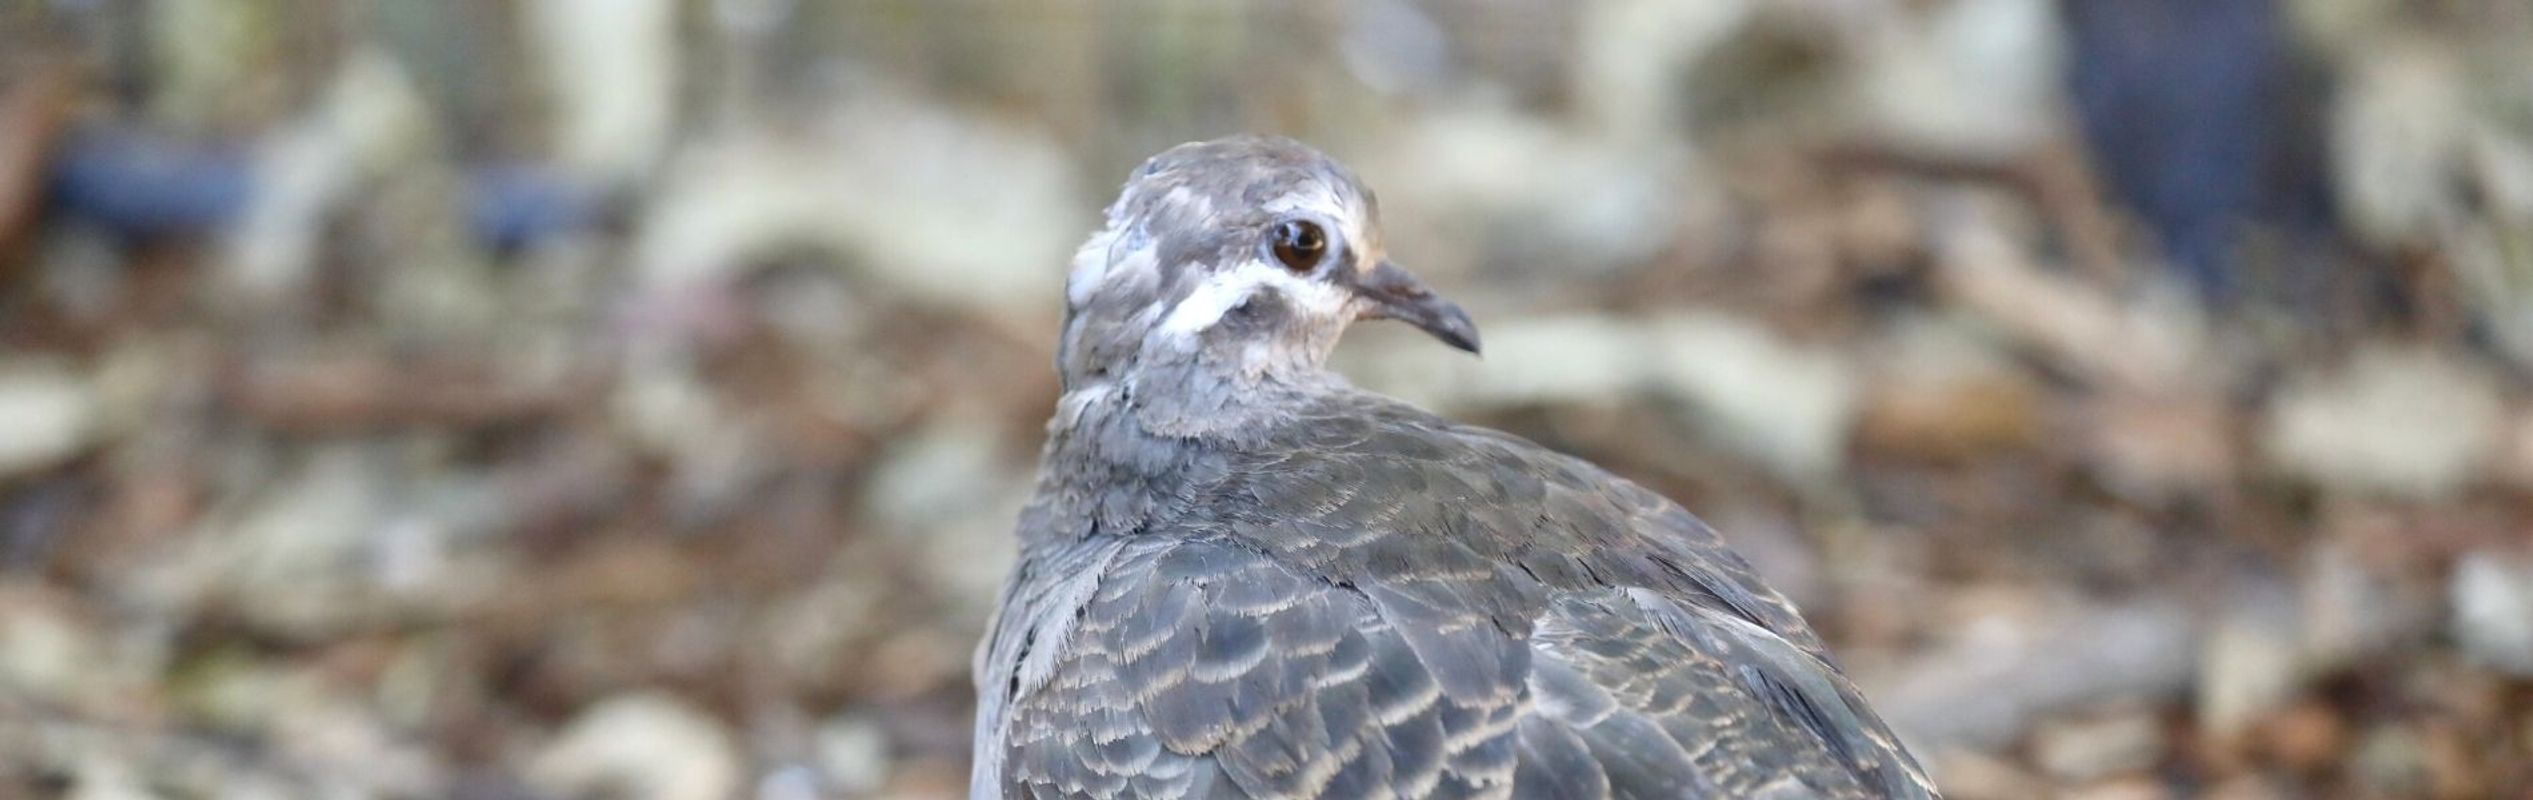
2201,123
511,206
1243,578
142,185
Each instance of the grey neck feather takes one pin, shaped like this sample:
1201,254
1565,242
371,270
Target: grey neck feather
1119,449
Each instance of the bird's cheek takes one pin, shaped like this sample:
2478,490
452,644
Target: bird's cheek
1257,315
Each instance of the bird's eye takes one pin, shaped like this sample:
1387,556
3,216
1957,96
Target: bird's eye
1300,245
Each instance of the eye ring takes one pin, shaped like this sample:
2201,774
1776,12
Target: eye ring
1300,244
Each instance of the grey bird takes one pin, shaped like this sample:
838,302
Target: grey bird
1242,577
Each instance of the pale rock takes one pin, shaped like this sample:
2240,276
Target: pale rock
2136,787
1970,774
1495,189
1790,405
1938,388
2164,447
2423,158
370,118
853,753
134,379
327,727
409,690
1994,676
716,473
290,558
2157,341
2343,27
2486,247
335,540
663,406
640,747
793,782
611,70
2349,612
2503,163
1565,359
1393,47
2407,422
2392,762
202,53
44,655
1787,404
814,632
232,689
1634,54
2245,787
947,492
1975,77
947,206
100,776
47,414
2492,596
425,551
2250,661
2398,129
2087,750
411,553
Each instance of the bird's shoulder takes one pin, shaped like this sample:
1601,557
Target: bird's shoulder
1362,487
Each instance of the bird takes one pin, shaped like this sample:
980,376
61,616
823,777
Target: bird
1242,577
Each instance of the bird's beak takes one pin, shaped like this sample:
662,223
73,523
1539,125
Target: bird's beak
1397,294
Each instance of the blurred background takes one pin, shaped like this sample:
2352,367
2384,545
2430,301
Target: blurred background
631,398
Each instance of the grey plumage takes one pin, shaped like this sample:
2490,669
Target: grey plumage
1241,577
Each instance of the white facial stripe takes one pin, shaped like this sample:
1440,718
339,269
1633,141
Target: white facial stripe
1090,267
1222,291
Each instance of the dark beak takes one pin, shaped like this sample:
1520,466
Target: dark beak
1397,294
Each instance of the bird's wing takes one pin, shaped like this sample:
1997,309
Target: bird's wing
1393,604
1203,669
1637,695
1212,669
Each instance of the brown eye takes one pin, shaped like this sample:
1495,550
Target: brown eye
1300,245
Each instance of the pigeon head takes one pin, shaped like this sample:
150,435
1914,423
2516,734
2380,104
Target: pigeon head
1244,257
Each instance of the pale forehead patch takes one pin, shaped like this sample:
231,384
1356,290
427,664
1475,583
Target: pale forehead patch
1194,204
1314,197
1090,266
1114,254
